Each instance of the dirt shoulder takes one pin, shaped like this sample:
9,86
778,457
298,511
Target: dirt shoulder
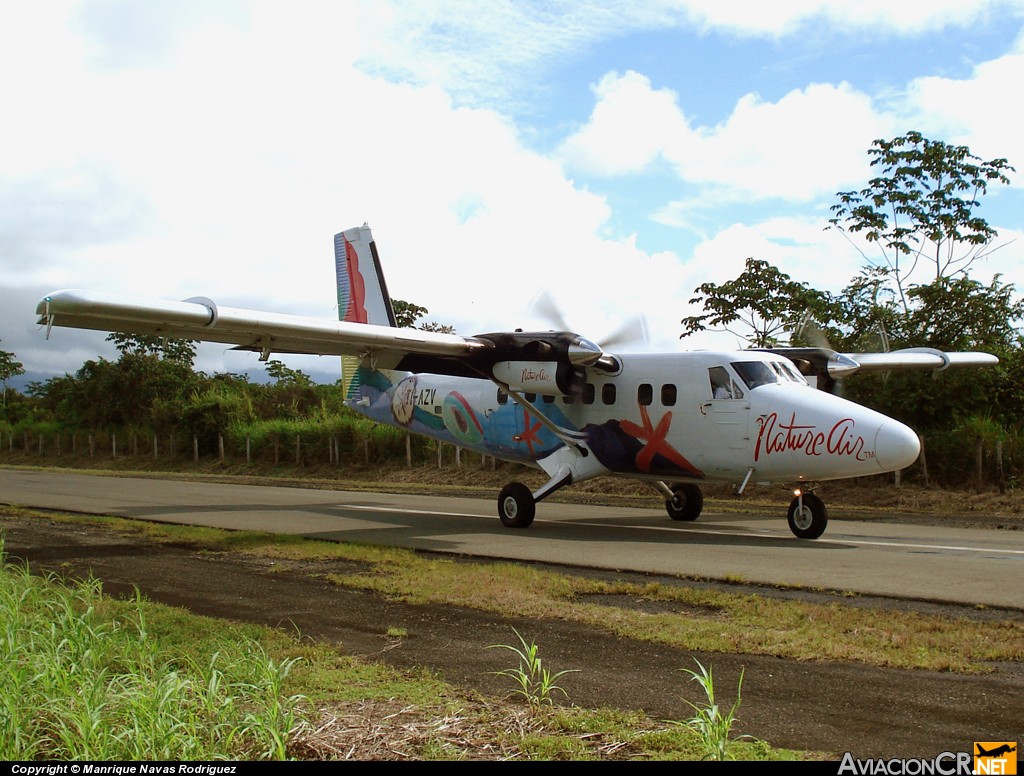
827,707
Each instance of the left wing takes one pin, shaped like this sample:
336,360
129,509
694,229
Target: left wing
544,362
264,332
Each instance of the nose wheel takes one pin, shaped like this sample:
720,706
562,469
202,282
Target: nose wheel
808,516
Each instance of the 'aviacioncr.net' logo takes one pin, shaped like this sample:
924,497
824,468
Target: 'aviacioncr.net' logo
995,757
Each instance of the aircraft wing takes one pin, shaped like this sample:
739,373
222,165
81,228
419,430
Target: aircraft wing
200,319
830,365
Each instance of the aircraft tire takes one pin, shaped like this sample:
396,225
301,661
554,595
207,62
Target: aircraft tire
687,502
516,506
810,522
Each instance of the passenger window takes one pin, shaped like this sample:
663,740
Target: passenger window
645,394
502,396
588,393
668,395
549,399
608,393
531,397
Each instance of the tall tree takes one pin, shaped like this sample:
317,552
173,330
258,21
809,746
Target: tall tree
761,305
408,314
8,368
921,208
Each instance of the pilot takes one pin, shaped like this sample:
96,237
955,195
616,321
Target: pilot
721,385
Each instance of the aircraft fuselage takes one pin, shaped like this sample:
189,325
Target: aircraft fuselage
656,417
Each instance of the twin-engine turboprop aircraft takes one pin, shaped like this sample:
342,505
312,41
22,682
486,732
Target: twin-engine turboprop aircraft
558,402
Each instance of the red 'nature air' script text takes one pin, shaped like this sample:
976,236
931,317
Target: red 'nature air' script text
776,437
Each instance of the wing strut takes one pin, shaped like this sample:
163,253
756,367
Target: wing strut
570,438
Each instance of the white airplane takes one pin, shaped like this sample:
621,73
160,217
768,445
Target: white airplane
558,402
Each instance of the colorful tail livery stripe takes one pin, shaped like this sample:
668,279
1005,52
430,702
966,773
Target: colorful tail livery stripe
362,293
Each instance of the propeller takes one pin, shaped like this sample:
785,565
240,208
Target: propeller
631,331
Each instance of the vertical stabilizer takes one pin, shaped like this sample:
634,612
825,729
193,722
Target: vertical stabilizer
362,292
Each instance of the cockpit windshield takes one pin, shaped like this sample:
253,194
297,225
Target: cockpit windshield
756,373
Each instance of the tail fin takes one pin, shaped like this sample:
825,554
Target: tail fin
362,292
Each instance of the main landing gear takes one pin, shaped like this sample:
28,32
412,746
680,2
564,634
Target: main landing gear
517,506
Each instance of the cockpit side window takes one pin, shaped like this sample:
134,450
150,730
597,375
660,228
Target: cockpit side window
722,384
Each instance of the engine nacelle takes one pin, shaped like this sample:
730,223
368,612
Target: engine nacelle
531,376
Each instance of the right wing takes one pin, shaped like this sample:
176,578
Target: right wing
828,365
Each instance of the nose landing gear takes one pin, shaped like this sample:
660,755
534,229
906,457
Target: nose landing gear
808,516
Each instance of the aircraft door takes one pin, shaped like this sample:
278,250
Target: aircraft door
728,409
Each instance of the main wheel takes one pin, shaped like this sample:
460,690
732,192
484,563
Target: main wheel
686,503
808,521
516,506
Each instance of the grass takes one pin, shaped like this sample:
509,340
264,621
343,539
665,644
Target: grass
700,619
87,677
532,682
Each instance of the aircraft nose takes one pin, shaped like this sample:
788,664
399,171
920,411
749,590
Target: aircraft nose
896,446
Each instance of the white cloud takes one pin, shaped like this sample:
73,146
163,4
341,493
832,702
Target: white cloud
977,111
797,148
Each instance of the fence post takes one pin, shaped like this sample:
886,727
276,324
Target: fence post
979,458
40,442
195,448
298,450
248,449
156,446
220,446
924,462
277,449
92,445
408,451
113,444
999,465
58,444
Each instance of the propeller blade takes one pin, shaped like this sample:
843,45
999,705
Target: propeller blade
544,307
632,331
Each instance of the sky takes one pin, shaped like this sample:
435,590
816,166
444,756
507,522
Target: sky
612,155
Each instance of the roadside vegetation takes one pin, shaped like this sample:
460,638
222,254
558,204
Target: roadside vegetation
89,677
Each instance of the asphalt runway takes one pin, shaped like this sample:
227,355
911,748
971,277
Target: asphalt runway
928,563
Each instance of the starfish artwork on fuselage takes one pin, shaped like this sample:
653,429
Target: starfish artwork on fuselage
556,401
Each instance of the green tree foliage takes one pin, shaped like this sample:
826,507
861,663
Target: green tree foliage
408,314
180,351
954,314
920,208
8,368
761,305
